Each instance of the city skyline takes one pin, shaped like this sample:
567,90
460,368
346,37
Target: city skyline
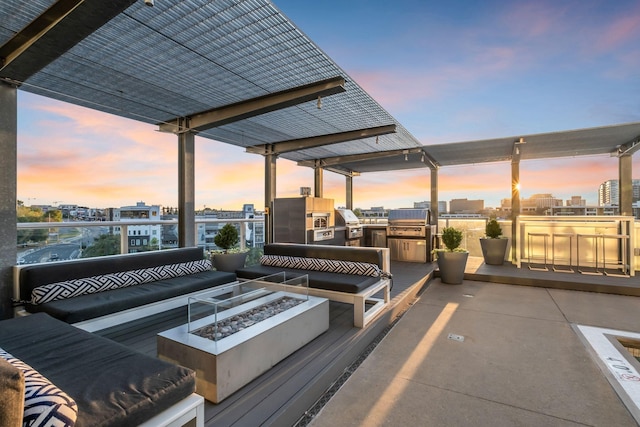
448,73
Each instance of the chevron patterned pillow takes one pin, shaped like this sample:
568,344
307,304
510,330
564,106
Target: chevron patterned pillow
322,264
106,282
44,403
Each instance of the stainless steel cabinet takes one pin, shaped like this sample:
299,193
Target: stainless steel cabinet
410,250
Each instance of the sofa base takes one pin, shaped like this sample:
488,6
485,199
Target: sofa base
99,323
362,315
183,412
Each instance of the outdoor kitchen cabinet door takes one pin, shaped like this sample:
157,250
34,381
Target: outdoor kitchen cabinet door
410,250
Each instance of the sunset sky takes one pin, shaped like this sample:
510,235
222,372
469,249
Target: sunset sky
448,71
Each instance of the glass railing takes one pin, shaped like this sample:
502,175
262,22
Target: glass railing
58,241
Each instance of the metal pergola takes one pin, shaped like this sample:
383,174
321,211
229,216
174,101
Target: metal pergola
235,71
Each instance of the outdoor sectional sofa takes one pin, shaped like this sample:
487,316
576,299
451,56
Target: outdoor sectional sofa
96,293
348,274
54,374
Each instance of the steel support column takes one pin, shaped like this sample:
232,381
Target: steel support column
625,172
8,198
186,188
269,194
434,198
349,192
515,202
318,175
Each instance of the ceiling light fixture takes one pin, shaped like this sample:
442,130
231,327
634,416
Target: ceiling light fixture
319,104
377,141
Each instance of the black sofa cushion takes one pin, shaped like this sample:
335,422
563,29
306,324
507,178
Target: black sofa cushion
112,385
90,306
32,276
349,283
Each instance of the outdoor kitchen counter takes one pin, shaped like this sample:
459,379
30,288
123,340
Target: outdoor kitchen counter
369,230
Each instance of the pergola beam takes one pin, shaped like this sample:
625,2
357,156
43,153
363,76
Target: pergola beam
35,30
629,148
318,141
253,107
62,26
327,162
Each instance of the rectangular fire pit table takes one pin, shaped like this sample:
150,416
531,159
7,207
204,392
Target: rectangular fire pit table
238,332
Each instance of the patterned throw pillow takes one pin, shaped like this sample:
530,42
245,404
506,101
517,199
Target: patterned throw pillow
106,282
45,405
321,264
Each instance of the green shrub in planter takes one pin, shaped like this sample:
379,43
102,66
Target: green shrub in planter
231,258
227,237
494,248
452,238
493,229
453,259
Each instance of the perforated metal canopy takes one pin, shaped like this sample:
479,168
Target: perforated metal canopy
614,140
178,58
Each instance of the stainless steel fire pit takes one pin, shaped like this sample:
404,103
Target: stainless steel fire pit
229,339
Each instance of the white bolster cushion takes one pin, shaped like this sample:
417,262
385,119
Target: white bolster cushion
322,264
106,282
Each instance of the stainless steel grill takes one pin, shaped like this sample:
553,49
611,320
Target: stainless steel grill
353,229
409,235
408,222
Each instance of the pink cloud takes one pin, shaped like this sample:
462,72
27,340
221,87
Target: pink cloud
624,29
533,19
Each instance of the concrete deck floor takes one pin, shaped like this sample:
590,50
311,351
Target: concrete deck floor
521,362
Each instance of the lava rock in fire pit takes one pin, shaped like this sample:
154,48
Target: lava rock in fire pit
231,325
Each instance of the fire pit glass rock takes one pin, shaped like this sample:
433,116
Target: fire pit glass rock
240,321
220,313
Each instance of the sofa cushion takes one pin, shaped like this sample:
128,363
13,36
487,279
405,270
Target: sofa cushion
349,283
351,253
11,395
91,306
34,275
44,403
112,384
321,264
107,282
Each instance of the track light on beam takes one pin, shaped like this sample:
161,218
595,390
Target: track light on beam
319,104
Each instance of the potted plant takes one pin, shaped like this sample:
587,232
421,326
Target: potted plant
452,259
228,258
494,247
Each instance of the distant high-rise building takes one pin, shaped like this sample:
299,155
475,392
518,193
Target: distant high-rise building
609,192
142,237
465,206
442,205
576,201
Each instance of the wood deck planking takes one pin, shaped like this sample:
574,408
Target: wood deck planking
283,394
